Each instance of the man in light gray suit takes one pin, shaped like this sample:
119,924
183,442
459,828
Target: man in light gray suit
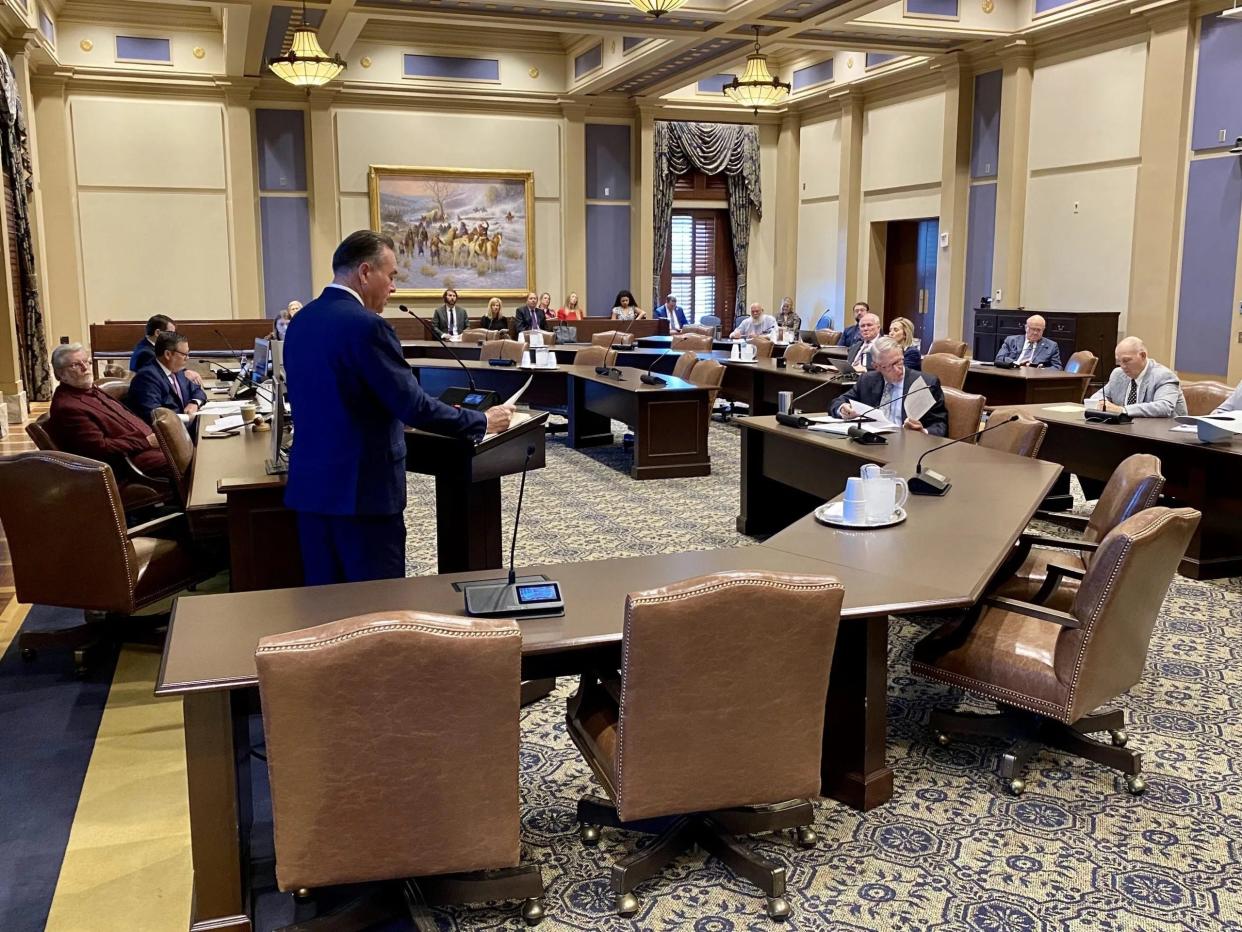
449,319
1139,386
1233,403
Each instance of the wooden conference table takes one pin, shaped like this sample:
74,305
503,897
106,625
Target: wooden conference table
1024,385
209,653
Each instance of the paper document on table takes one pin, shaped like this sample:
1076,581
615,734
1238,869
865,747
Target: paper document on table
918,403
220,407
519,417
1212,428
1185,428
1063,409
513,399
228,423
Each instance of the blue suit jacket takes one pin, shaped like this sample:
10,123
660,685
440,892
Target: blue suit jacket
1047,352
352,393
850,335
150,389
869,389
142,356
661,313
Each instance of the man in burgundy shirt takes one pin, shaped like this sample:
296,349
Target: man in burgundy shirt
89,422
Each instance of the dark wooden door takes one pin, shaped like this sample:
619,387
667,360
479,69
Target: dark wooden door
910,275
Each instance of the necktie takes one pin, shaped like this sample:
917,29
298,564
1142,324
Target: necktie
1132,397
453,322
864,357
891,403
176,387
1027,352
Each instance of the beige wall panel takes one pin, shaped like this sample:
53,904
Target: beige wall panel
1087,109
1079,261
148,251
102,54
147,143
880,208
902,141
388,67
446,140
355,213
819,159
761,257
817,261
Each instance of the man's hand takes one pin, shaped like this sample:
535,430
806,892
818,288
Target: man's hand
912,424
498,418
192,408
845,412
152,442
1106,405
193,376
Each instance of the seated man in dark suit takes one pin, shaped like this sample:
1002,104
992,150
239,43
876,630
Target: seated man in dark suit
164,383
885,387
862,353
1034,350
449,319
144,352
89,422
531,316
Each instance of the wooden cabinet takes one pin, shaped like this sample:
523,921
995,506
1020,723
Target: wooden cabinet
1072,330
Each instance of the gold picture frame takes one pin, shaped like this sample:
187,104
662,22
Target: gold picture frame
469,229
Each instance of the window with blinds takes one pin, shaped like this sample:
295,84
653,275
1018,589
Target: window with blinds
692,264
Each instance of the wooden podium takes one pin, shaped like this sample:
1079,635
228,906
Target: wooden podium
469,532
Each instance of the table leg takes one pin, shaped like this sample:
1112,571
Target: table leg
468,525
853,768
586,428
768,505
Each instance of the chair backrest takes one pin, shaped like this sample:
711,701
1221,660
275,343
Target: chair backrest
952,347
174,440
549,338
37,430
476,335
710,320
685,364
117,388
1205,397
1023,437
1136,484
709,373
732,740
65,523
825,321
950,370
1117,605
691,341
392,747
798,353
611,337
763,347
828,337
1084,362
502,349
699,329
965,411
595,356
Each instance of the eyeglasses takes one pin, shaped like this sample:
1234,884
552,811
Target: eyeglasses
178,352
82,365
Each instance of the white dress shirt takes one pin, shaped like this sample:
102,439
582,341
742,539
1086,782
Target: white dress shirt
348,289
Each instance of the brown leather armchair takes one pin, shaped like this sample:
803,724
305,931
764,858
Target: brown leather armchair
595,356
1205,397
1034,572
613,338
951,347
476,335
502,349
763,347
377,783
965,411
709,373
124,570
699,329
1049,670
798,353
685,365
1023,437
178,449
672,736
117,388
1084,363
950,370
828,337
691,341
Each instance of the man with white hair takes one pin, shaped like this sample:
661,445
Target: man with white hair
755,325
1139,386
90,422
1034,349
862,354
885,388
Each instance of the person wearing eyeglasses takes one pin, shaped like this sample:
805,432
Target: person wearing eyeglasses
164,384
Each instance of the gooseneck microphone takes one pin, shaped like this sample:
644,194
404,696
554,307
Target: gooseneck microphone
229,346
517,520
615,334
648,378
797,420
453,395
934,483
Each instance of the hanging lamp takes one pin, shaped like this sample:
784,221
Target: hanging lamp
757,87
656,8
306,64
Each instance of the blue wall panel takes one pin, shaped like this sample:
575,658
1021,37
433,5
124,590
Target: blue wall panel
454,69
144,48
608,162
985,126
608,257
819,73
980,245
1218,85
281,138
285,226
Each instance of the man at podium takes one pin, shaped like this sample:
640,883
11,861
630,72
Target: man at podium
352,393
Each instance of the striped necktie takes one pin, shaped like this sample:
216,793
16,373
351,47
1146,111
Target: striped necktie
1132,396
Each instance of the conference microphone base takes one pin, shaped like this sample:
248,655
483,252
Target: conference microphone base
648,379
858,435
793,420
929,482
525,597
474,399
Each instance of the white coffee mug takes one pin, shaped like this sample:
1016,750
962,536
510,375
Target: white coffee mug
854,505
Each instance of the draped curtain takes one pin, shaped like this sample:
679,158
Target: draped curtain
711,148
15,156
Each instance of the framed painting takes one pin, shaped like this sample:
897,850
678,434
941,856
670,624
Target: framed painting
467,229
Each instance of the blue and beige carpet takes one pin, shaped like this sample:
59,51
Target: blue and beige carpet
950,852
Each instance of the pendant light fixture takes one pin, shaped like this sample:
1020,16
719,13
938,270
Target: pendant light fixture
306,64
657,8
757,87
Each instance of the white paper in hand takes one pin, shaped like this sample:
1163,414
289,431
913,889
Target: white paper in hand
920,402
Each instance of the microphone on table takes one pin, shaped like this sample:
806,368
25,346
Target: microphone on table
623,345
517,519
934,483
797,420
647,378
455,395
225,375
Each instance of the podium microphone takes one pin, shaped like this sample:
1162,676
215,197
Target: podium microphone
934,483
455,395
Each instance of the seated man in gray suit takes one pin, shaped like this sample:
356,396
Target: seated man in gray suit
449,319
1139,386
1034,350
1231,404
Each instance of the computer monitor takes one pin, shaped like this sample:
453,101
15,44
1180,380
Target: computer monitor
262,357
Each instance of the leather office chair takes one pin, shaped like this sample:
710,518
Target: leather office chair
691,341
965,411
1135,485
951,347
709,373
62,515
1023,437
685,364
476,335
950,370
1084,362
1205,397
595,356
672,736
178,448
1049,670
700,330
828,337
549,338
392,749
613,338
710,320
502,349
763,347
798,353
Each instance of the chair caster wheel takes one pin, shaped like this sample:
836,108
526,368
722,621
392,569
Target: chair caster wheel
589,835
806,837
1136,785
778,908
29,655
942,739
1016,786
627,904
1119,737
532,911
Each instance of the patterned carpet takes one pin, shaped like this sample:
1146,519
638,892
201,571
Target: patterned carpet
951,851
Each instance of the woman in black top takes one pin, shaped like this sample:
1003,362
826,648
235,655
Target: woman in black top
493,319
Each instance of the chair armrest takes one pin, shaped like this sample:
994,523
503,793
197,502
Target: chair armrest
1056,573
167,526
1018,607
1044,540
132,473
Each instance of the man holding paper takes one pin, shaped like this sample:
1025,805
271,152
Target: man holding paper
912,399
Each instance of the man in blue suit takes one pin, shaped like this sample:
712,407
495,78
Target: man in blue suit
1034,350
144,352
852,334
675,316
885,388
352,394
164,383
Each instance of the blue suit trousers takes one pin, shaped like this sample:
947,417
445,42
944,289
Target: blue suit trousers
351,548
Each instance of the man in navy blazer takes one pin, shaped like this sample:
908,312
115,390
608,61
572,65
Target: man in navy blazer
531,316
144,351
352,394
884,388
164,383
1034,350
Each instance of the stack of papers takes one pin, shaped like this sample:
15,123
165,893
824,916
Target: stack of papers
221,408
232,422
